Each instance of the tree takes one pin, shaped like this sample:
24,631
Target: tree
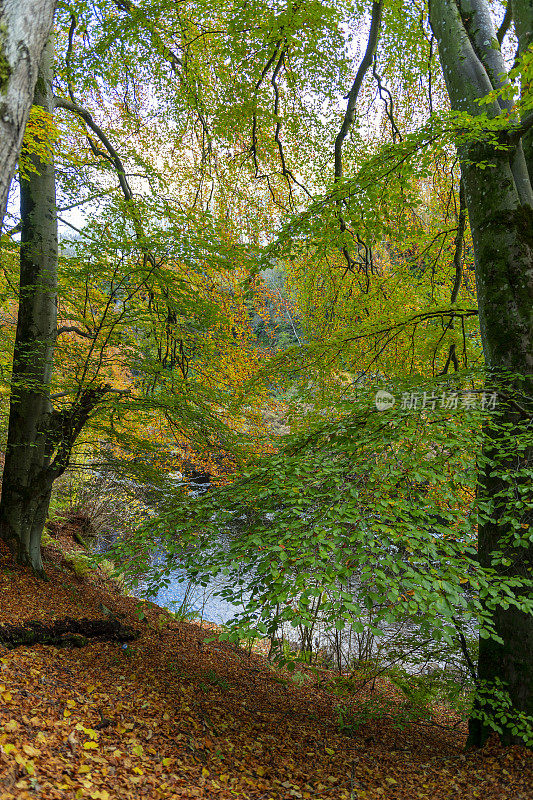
25,490
39,438
144,322
493,133
25,26
499,197
494,147
378,260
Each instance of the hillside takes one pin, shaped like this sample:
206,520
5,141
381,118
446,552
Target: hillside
172,715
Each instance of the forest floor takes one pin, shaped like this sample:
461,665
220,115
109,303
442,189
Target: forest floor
172,715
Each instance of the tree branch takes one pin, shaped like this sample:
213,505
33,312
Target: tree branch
515,133
74,108
506,22
459,239
74,329
389,105
364,66
130,8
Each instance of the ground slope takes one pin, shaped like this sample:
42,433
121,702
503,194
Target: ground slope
170,715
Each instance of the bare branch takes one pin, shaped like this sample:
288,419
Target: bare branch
74,108
459,239
364,66
74,329
387,101
506,22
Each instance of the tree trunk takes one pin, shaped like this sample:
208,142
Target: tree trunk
499,199
25,489
24,29
523,17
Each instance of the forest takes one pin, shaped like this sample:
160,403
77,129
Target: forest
266,352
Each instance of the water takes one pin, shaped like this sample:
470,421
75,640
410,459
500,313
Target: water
201,602
180,595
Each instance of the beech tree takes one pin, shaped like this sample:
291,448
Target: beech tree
24,29
493,193
135,311
40,437
499,198
25,490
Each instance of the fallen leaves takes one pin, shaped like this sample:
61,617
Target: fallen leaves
191,721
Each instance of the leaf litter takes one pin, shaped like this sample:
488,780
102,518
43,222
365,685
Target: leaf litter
175,714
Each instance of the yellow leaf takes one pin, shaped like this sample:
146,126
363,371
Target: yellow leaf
11,726
90,745
84,768
137,750
224,777
138,770
261,771
31,751
166,762
329,751
205,772
9,748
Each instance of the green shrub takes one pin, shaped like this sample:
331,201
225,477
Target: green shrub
47,540
81,563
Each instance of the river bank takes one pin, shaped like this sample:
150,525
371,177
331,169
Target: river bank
177,714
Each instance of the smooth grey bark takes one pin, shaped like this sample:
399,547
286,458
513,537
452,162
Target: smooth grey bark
499,201
523,23
40,438
24,29
23,506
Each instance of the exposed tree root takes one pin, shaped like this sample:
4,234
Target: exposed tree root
65,633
